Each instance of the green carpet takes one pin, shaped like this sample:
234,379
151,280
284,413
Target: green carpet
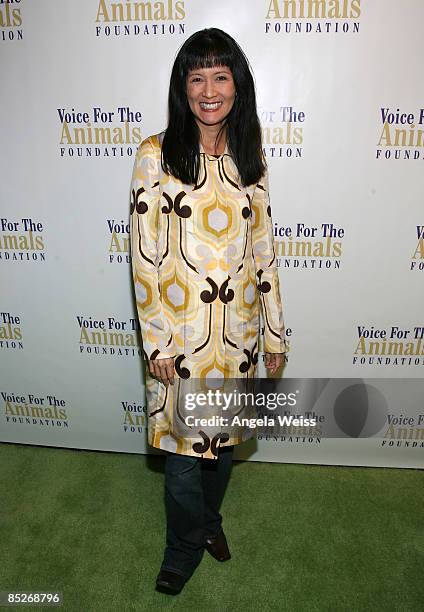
303,538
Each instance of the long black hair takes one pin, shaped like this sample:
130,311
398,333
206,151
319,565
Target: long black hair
209,48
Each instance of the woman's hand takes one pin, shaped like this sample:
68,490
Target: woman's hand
273,361
163,370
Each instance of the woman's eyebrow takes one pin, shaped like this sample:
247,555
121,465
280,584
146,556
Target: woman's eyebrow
223,70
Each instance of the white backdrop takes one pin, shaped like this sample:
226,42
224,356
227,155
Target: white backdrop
341,102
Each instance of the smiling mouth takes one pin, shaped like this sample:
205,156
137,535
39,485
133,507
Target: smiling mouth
210,106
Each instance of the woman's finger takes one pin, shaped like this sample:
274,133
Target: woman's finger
164,373
156,369
170,372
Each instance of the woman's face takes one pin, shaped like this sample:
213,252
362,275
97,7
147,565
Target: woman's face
210,93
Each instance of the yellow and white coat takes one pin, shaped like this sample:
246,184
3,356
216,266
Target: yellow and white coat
203,265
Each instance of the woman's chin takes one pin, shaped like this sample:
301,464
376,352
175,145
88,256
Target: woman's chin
211,118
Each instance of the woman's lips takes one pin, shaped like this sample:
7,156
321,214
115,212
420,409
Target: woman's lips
210,107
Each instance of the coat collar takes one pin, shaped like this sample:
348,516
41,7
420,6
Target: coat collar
212,157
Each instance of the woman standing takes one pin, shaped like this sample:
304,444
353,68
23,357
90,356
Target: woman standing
203,265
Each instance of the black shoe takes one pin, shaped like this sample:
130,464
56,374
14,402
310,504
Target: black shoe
217,547
170,582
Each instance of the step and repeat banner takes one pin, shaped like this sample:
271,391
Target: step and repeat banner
341,104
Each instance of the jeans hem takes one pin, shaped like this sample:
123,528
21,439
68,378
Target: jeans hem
173,569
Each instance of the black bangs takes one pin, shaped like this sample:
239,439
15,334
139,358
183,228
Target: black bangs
207,53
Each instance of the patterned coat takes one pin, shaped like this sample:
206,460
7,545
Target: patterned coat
203,265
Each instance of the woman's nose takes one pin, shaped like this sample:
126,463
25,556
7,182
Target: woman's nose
209,88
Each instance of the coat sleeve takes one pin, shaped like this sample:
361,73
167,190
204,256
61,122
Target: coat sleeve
156,330
266,269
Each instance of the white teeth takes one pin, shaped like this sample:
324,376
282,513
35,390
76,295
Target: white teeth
210,105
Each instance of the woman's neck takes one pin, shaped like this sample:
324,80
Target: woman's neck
208,136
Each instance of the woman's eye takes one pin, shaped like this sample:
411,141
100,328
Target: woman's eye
222,77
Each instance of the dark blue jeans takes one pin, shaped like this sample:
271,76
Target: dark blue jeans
194,490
